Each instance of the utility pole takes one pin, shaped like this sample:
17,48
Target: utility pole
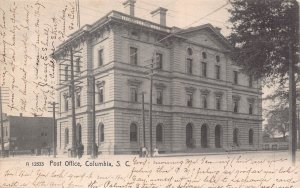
298,107
94,116
152,67
53,107
143,113
150,108
292,85
292,106
72,92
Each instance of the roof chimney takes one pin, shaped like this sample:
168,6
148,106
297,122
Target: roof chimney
129,7
160,15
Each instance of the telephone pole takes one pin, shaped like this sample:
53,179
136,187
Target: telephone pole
72,92
143,114
153,67
53,107
94,116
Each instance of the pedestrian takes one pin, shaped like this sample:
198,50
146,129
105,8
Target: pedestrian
80,150
144,151
155,152
95,150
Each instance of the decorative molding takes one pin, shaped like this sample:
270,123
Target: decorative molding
218,93
190,89
251,99
78,89
100,83
159,85
204,91
134,82
236,97
66,95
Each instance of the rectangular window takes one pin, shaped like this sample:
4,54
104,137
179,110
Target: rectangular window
190,99
204,101
235,77
235,106
133,94
133,56
159,61
250,81
204,69
100,95
78,65
250,108
189,66
100,57
218,68
159,97
218,103
6,131
66,104
66,73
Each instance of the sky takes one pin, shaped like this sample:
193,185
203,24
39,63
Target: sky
30,30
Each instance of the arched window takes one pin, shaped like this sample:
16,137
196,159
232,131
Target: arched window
236,137
78,133
133,132
204,56
100,133
218,136
159,133
190,51
218,58
66,136
204,136
250,137
189,136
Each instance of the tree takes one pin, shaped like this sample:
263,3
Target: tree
261,33
278,122
265,34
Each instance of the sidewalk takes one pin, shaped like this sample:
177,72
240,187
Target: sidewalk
88,157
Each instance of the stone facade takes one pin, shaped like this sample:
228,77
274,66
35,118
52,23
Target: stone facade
202,108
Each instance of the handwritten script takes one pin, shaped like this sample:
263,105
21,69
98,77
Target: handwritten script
232,171
29,32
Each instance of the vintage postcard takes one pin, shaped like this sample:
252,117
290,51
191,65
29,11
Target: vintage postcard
136,93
